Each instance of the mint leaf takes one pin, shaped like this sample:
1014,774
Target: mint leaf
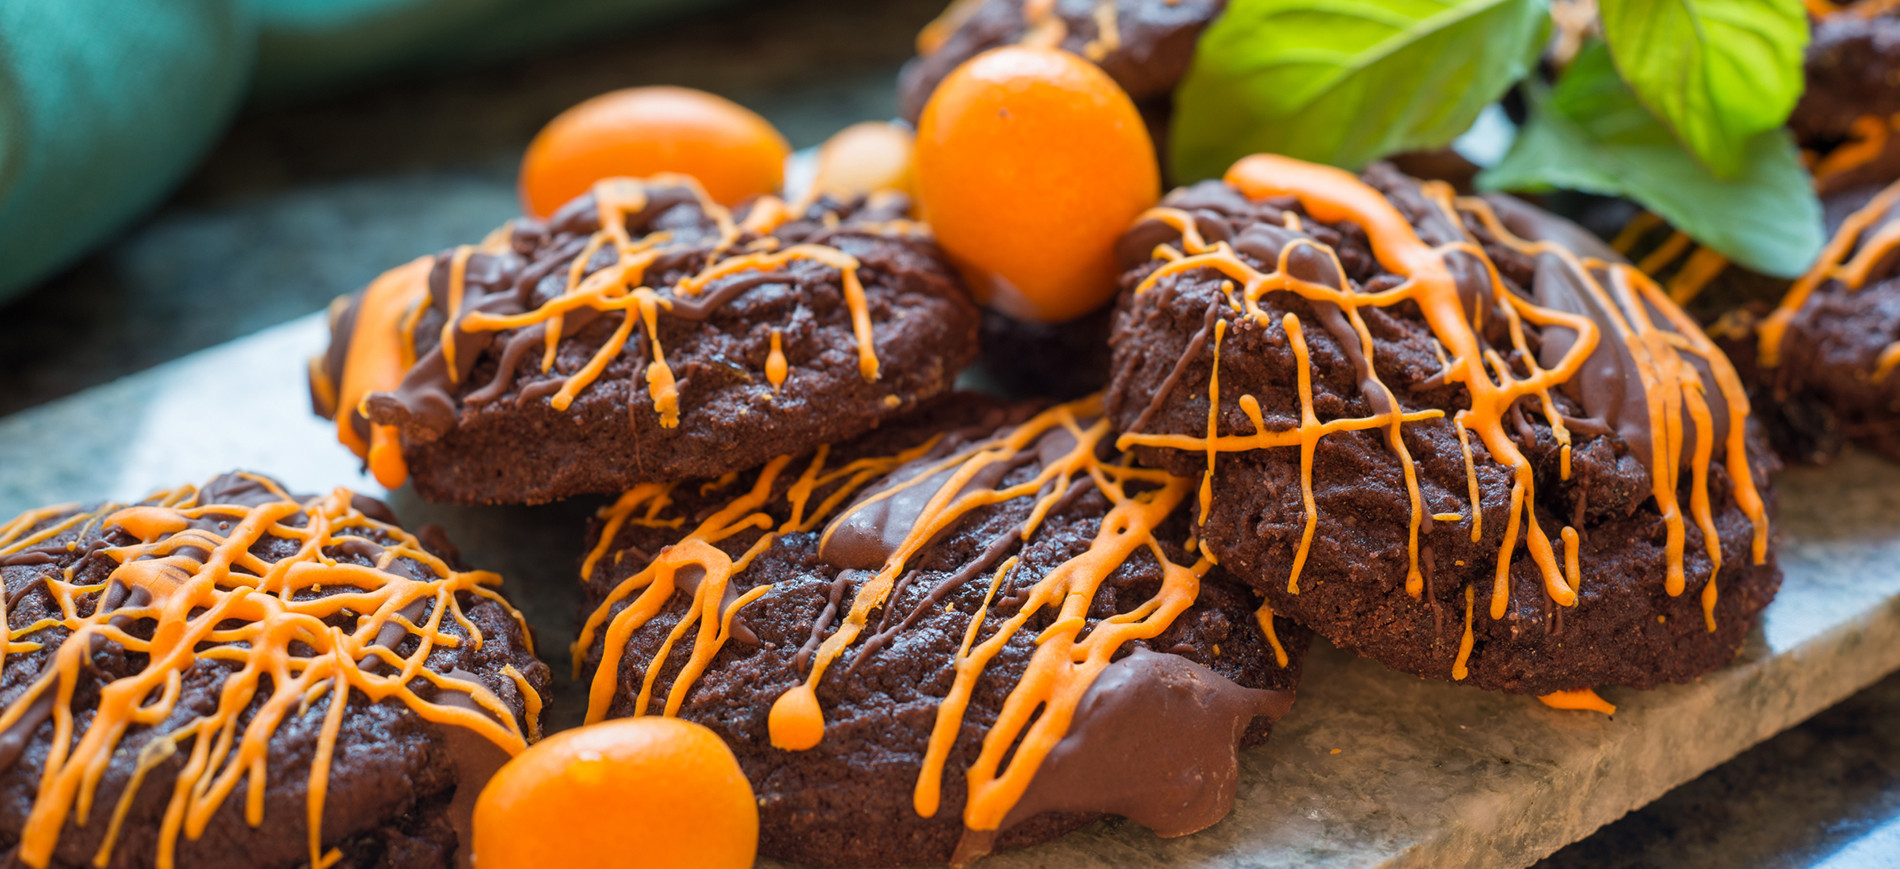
1716,71
1346,81
1592,134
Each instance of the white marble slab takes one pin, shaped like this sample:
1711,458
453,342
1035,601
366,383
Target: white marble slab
1371,769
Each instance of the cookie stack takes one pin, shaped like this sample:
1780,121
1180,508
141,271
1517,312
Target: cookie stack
1450,434
1455,435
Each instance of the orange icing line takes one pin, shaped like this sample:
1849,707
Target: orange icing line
937,32
1830,266
375,361
1866,139
1703,267
775,367
1665,253
280,638
1582,699
1634,230
1108,36
1889,358
1043,28
1264,615
458,285
655,584
1458,669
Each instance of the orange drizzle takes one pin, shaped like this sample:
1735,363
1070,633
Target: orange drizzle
1042,27
382,342
655,584
1038,710
1673,385
1835,265
1581,699
937,32
1108,35
1264,615
1883,367
208,597
376,361
775,363
1466,640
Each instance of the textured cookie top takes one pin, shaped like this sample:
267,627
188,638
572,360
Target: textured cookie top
1860,254
1825,354
979,576
238,637
1850,57
1144,45
647,312
1574,388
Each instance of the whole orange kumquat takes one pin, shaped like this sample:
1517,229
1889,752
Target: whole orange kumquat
645,131
648,792
1030,163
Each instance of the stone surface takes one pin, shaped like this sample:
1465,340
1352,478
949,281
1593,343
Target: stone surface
1425,774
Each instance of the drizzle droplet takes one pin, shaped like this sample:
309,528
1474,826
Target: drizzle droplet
796,722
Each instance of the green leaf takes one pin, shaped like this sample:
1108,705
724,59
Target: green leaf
1592,134
1346,81
1718,72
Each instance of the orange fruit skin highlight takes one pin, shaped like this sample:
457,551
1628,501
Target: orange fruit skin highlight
648,792
645,131
865,157
1030,163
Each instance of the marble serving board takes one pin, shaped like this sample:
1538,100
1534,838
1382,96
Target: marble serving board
1371,768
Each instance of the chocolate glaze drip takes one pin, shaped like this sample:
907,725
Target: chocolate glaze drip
1154,741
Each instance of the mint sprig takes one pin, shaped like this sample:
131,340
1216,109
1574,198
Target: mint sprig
1717,72
1591,133
1682,111
1346,81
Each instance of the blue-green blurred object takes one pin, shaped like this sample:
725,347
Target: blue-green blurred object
104,106
310,45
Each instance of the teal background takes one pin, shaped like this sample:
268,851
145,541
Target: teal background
106,105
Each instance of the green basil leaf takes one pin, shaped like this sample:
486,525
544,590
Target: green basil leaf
1346,81
1716,71
1592,134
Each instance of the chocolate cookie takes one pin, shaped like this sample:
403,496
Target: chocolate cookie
642,333
1463,453
168,658
1145,45
1823,358
1851,56
1007,635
